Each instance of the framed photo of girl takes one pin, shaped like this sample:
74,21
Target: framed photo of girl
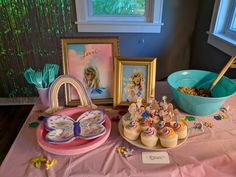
135,77
90,60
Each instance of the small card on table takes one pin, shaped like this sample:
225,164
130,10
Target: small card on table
155,158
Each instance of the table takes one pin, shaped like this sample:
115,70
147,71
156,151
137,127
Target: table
212,153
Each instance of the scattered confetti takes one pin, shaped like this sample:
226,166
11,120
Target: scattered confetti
223,116
126,152
190,118
50,163
33,124
208,124
217,117
40,118
199,126
120,149
220,116
224,109
39,160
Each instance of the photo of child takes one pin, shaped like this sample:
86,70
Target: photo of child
134,83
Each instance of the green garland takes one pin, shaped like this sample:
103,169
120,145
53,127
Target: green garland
30,34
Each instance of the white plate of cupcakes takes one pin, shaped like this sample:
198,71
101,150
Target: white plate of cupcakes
154,126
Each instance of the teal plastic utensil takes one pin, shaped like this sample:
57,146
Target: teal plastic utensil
45,75
27,75
34,80
42,79
39,79
51,76
50,72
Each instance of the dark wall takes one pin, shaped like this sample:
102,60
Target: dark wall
30,37
171,46
203,55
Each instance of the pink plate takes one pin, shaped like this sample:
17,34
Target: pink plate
76,146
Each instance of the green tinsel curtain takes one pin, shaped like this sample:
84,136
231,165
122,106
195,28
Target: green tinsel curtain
30,32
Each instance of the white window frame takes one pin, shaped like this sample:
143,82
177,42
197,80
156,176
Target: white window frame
153,23
219,34
229,32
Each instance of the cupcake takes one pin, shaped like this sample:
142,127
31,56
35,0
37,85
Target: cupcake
126,119
181,129
168,138
160,126
132,130
149,137
145,123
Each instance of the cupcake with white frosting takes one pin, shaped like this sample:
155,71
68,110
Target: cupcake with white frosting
132,130
149,137
181,129
126,119
168,137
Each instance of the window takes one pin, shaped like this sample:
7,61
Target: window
119,15
222,33
231,28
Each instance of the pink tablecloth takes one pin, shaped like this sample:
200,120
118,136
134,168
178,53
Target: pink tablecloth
212,153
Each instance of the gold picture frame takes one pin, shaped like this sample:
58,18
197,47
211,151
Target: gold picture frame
86,58
134,77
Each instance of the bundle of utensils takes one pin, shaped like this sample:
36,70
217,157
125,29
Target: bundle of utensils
42,79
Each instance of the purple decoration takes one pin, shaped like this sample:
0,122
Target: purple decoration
217,117
77,129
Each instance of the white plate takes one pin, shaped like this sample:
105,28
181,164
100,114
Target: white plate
139,144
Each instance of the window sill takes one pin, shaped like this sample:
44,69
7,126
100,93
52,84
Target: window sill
139,27
223,43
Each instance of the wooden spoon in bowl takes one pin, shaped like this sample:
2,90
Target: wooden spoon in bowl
222,72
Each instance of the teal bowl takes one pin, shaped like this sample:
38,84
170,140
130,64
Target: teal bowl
198,105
